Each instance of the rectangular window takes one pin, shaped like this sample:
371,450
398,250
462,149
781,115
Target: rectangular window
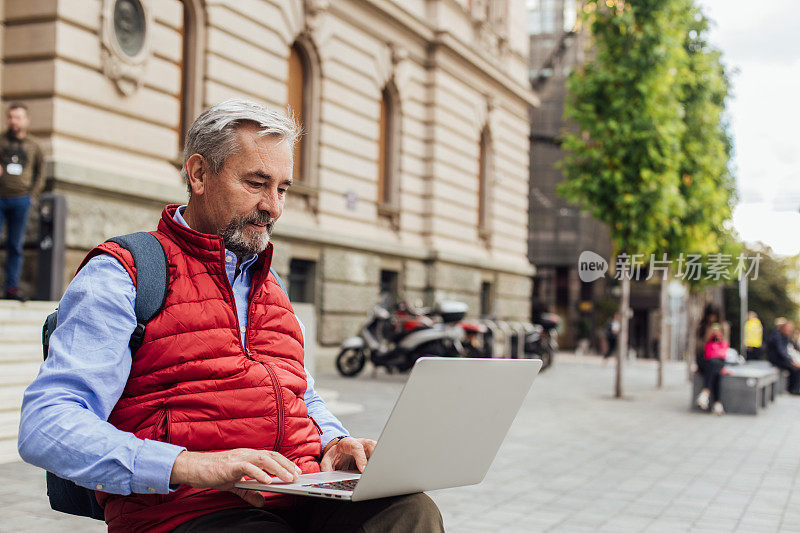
487,307
301,280
390,286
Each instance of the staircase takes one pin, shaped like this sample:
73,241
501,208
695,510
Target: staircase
20,357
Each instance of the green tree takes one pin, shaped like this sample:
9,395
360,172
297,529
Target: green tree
623,163
706,185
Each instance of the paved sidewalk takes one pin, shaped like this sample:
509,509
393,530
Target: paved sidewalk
575,460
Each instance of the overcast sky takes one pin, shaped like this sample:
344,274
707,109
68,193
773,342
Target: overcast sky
760,45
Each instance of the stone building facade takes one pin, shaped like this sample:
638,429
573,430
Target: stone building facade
412,176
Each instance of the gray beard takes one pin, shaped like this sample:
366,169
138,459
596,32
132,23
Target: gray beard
243,242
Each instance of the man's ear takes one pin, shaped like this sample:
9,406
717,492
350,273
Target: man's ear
197,172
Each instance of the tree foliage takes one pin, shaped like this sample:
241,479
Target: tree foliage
623,162
706,184
650,152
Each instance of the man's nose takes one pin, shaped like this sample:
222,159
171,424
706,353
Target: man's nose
270,202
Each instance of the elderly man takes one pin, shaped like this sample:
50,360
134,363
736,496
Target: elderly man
21,178
217,390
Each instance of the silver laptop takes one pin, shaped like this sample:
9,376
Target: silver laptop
444,431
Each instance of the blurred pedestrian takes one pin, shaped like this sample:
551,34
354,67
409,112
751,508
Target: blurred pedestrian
21,180
753,337
612,332
712,334
715,350
779,355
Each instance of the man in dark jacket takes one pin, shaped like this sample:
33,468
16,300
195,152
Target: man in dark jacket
21,179
778,354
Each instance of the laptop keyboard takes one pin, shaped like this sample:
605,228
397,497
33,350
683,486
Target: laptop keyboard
348,484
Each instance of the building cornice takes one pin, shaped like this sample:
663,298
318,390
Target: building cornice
316,236
421,29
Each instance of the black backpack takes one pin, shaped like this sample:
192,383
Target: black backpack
152,277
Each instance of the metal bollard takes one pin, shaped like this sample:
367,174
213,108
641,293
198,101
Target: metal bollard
506,349
519,330
52,246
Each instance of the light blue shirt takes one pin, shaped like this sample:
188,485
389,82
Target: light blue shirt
64,426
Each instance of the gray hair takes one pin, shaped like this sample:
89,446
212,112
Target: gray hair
213,133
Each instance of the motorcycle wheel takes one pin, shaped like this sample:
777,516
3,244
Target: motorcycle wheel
350,361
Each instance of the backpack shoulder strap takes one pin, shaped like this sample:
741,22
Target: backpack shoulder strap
152,277
279,280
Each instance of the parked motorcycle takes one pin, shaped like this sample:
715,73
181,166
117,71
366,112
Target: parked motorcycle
542,341
396,340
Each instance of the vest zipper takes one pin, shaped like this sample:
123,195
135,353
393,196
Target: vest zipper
275,384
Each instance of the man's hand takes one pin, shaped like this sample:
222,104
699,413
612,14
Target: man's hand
220,470
349,452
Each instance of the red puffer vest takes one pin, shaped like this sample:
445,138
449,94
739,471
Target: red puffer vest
193,384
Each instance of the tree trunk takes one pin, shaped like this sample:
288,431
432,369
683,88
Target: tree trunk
622,345
663,345
691,349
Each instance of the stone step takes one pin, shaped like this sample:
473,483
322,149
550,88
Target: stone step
18,373
11,397
8,451
16,333
18,311
18,352
9,425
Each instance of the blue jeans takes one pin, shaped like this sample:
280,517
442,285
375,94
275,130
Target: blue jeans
14,212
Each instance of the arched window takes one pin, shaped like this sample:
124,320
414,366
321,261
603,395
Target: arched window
296,101
191,66
388,152
484,181
302,97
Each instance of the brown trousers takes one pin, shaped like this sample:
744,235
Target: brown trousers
401,514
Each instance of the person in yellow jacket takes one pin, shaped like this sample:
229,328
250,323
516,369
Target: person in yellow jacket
753,336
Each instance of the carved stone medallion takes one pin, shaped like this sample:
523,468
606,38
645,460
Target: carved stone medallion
125,42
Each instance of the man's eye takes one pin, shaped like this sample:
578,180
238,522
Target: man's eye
282,191
255,183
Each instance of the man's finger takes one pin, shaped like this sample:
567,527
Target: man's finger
355,449
249,469
279,466
369,446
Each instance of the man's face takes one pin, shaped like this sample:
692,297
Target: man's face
18,121
243,201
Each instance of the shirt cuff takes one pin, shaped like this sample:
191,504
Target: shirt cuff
331,434
152,467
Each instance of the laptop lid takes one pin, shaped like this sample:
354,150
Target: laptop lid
447,425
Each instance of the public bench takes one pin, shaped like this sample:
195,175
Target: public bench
745,389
